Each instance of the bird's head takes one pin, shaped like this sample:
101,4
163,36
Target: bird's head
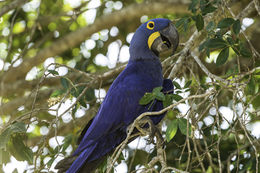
152,38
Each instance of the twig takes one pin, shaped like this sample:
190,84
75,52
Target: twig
247,10
219,136
11,6
245,130
174,169
257,6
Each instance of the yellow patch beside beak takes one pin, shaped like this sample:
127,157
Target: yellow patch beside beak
152,37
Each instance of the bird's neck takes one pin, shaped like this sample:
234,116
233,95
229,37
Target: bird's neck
149,67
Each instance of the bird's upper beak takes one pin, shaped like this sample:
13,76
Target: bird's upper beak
164,40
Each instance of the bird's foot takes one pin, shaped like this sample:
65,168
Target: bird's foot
146,127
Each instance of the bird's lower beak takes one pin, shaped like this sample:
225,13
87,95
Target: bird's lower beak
164,40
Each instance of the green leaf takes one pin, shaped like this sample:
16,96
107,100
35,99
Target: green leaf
207,52
183,22
4,156
19,150
186,24
251,86
199,22
74,110
120,158
65,83
187,84
177,97
49,163
222,56
182,123
256,102
17,127
208,9
236,26
4,138
103,166
171,114
75,92
203,45
209,170
168,100
244,51
257,71
90,94
160,96
57,93
176,85
230,40
192,6
56,150
147,98
210,26
157,89
216,43
66,142
171,130
180,22
236,49
205,87
187,90
82,102
54,72
225,23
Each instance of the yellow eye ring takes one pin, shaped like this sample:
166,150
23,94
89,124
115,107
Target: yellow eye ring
150,25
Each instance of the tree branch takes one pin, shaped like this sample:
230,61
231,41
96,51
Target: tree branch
257,6
11,6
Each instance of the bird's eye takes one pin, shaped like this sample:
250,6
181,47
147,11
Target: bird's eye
150,25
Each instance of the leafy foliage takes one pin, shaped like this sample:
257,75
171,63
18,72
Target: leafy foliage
11,142
56,103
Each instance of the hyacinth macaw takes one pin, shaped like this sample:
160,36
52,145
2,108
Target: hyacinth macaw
121,104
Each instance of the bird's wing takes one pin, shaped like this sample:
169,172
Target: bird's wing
119,108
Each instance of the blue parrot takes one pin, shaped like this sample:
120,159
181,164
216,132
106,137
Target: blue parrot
121,104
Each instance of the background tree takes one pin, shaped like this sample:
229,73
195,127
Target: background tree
59,57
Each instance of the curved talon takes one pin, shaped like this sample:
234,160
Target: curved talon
147,127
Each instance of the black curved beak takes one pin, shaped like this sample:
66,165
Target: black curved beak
168,40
